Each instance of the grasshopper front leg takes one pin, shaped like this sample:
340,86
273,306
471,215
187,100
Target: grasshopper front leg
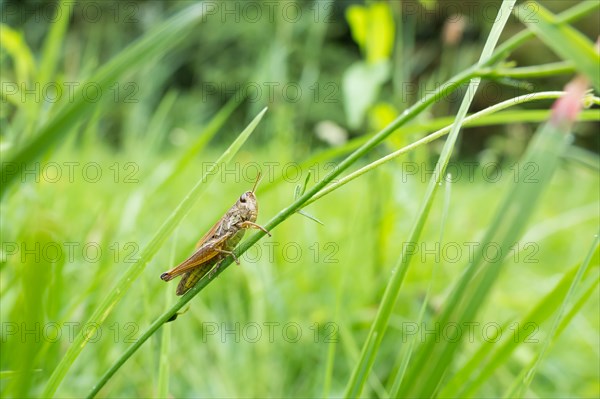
249,225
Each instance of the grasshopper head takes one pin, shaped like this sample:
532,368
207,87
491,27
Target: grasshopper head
248,206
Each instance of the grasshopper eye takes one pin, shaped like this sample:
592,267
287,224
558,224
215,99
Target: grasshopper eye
243,198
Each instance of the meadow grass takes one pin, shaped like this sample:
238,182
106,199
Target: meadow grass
315,310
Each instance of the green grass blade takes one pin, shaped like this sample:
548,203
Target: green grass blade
574,13
371,346
534,71
12,42
14,46
477,370
152,45
165,358
146,255
165,338
54,41
565,41
529,372
331,349
407,355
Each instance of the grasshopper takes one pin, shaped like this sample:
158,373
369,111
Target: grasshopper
218,243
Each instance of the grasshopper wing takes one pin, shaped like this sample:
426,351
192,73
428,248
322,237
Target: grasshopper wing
207,251
209,234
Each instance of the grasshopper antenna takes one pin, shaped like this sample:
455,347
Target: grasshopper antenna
258,178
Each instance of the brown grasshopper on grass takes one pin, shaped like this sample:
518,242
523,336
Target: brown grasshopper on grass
219,242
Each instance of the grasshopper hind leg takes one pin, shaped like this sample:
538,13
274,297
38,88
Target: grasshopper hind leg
189,279
216,269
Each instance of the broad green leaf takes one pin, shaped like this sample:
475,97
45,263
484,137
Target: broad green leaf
373,29
361,84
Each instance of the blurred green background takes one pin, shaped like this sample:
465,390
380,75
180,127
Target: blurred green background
292,319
